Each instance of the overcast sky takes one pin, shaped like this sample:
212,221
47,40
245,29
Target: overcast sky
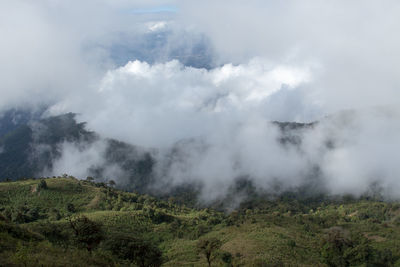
50,49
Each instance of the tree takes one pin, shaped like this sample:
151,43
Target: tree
143,252
334,245
226,257
90,179
111,182
338,249
33,214
42,185
87,232
209,247
71,208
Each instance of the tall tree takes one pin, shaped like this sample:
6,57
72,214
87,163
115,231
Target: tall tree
87,232
139,250
209,247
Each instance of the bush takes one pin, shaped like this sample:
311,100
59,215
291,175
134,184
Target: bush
54,215
42,185
87,233
226,257
142,252
334,245
260,263
55,233
339,250
33,214
291,243
71,208
209,247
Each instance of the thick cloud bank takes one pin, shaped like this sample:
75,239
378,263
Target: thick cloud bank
200,82
212,127
355,42
158,105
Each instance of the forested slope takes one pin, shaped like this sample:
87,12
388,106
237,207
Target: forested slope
68,222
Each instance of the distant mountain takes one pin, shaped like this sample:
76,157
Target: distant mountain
32,145
154,47
13,118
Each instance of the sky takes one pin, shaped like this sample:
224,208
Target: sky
154,73
156,9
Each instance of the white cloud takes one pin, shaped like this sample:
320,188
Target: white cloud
157,105
355,43
285,60
157,26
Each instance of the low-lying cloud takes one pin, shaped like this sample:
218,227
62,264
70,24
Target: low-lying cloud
237,68
158,105
212,127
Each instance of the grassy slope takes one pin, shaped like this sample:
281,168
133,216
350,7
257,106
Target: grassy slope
273,234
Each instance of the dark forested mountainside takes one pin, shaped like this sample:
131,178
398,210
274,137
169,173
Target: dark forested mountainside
31,146
93,223
136,166
13,118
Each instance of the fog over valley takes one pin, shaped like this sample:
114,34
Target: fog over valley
160,95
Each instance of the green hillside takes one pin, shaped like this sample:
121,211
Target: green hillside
66,222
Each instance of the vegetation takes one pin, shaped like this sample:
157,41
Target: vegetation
33,145
30,148
86,232
209,247
68,222
142,252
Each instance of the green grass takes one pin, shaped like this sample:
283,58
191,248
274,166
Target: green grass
60,192
273,233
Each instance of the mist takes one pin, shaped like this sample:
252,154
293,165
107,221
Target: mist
200,85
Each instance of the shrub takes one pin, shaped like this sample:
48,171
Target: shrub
334,245
143,252
42,185
87,232
226,257
292,243
71,208
339,250
209,247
